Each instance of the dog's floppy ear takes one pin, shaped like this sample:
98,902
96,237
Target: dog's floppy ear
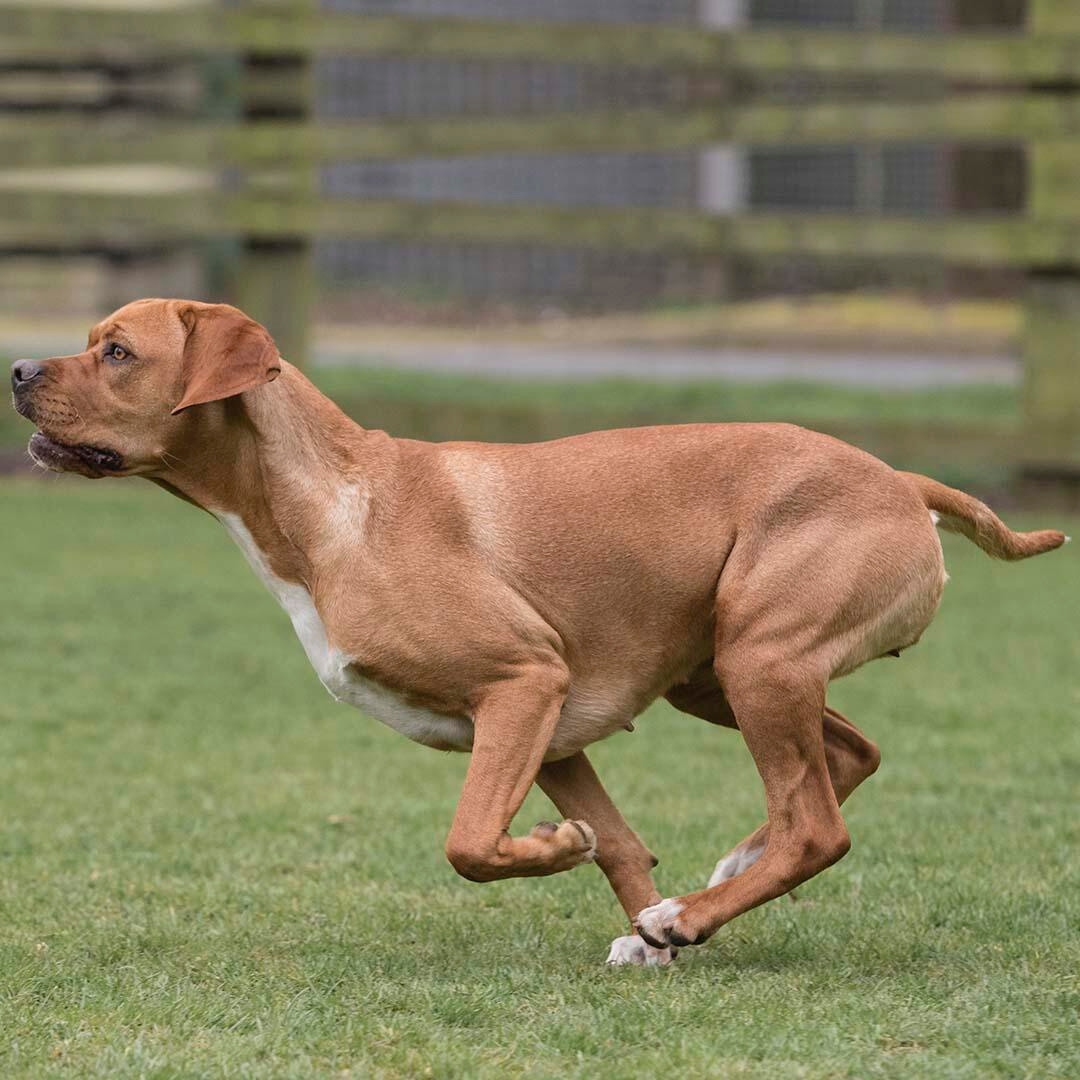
226,353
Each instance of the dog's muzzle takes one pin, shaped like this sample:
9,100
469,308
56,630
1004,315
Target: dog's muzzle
25,376
91,461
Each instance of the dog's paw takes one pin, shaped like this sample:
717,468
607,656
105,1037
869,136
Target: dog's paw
634,949
585,839
655,923
575,841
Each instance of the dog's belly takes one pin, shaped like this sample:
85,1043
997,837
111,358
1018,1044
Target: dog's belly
335,669
588,715
421,725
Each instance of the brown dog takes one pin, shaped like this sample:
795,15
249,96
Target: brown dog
523,602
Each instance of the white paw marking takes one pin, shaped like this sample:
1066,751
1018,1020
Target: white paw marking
636,950
656,920
734,863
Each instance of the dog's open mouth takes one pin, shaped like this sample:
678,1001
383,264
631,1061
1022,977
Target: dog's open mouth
92,461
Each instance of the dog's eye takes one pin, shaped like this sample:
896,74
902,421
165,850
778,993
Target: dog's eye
116,352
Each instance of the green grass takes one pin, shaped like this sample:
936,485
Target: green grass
644,400
207,868
465,406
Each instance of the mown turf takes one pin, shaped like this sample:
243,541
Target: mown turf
642,400
207,868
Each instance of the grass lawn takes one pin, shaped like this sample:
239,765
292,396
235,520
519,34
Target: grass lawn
637,401
208,868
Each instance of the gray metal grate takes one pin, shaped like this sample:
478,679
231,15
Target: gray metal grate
805,12
853,14
585,179
915,14
626,11
405,87
525,277
899,179
806,179
896,179
580,278
914,179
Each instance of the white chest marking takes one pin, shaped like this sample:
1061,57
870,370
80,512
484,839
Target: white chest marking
334,668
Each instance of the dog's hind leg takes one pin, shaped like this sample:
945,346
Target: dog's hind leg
700,695
814,597
779,704
573,786
851,758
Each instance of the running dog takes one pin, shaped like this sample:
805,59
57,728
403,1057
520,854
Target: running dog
523,602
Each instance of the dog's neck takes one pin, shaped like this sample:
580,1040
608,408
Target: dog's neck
290,466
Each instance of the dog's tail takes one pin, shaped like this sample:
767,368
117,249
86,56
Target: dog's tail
960,513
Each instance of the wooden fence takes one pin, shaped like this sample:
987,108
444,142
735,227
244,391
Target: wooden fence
115,179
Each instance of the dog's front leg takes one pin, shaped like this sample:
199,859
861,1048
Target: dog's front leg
575,789
573,786
513,725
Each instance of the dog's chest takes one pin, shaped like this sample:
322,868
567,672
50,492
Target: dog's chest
335,669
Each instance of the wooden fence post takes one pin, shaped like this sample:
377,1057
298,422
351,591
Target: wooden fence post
275,284
274,277
1051,449
1050,456
1052,17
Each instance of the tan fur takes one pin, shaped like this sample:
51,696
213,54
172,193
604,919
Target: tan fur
959,512
544,595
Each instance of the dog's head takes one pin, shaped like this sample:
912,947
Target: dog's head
121,406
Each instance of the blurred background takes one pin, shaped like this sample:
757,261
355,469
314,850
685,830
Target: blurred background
499,219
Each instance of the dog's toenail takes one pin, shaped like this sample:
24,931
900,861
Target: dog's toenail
651,940
584,835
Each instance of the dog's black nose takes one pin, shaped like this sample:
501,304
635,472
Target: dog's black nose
23,372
